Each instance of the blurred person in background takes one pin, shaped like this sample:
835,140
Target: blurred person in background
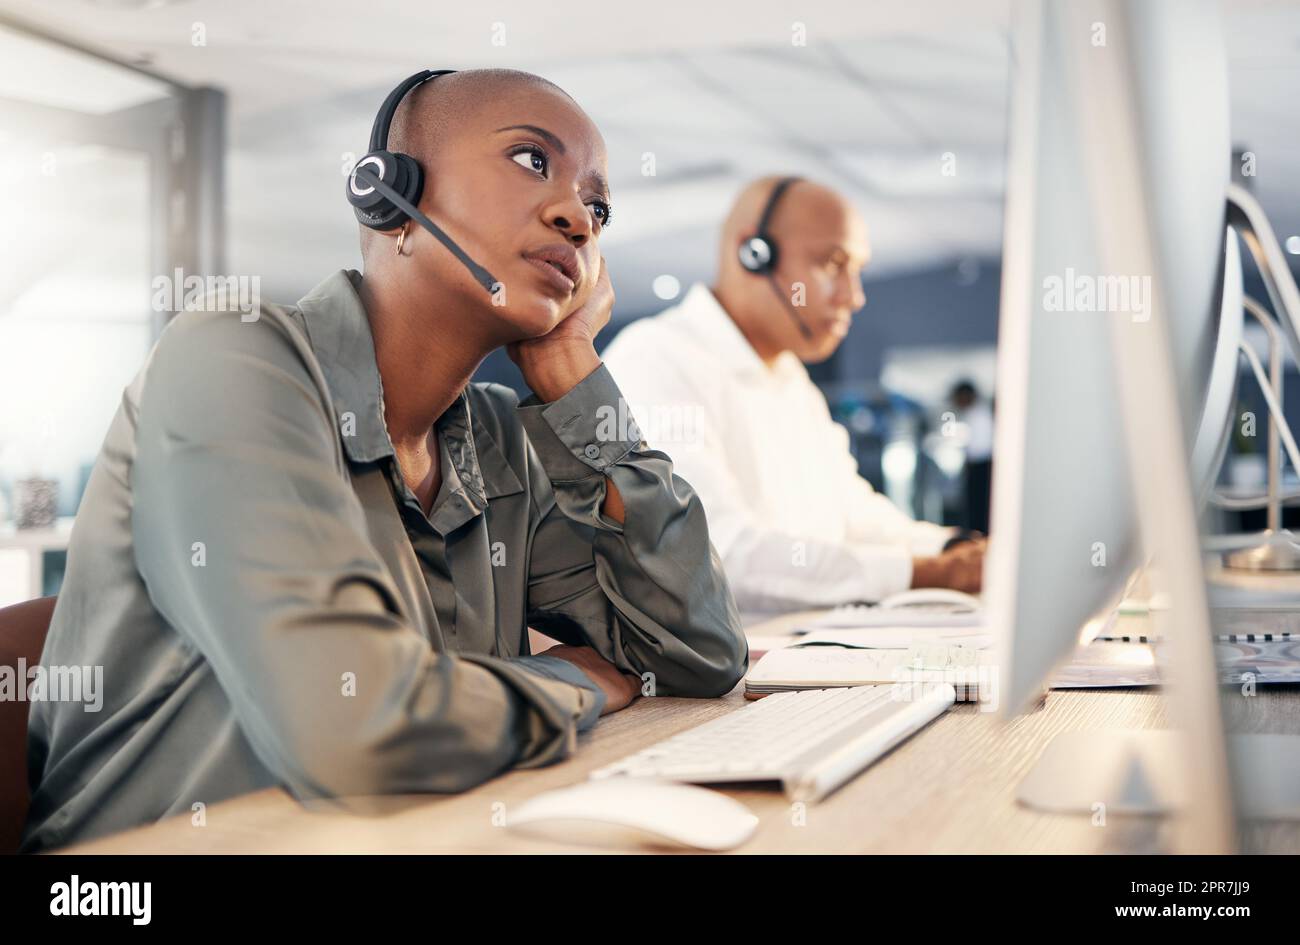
976,414
796,525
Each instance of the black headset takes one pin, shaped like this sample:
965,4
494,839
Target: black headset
759,254
385,186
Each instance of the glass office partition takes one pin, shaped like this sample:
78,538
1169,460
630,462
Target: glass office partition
75,318
94,156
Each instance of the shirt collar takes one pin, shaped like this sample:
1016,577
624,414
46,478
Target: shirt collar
709,322
339,332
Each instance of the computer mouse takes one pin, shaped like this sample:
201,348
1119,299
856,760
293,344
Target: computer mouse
636,812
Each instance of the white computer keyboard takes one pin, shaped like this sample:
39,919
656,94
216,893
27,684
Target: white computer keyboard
811,741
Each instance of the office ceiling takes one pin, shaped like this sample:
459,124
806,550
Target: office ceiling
871,104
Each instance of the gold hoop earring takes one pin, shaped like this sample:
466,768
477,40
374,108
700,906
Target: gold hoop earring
401,237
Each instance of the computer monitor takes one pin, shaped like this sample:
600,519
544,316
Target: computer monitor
1113,350
1063,515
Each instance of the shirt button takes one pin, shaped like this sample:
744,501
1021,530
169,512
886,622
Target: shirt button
591,451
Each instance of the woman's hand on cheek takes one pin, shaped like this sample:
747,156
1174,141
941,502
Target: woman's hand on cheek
553,364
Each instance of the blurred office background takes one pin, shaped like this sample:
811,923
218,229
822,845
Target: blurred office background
139,137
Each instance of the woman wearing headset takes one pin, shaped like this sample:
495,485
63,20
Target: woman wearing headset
310,549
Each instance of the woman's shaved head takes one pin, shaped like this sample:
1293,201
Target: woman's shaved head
429,111
515,172
432,110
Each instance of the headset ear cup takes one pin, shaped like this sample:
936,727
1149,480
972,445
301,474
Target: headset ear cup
412,182
400,172
367,202
758,255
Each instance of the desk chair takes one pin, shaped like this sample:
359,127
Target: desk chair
22,634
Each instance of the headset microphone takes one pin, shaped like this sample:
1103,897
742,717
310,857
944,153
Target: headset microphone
759,253
391,191
789,307
480,274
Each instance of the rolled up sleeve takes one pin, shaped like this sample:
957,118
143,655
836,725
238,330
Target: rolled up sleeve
649,594
552,667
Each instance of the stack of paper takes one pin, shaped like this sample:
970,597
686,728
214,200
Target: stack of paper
897,637
833,659
862,617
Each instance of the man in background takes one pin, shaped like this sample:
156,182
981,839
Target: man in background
976,414
720,381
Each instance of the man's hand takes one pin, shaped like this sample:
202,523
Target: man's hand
620,688
960,568
553,364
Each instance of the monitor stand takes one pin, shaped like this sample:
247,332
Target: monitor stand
1277,548
1140,772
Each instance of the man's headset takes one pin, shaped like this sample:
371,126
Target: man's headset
385,186
759,254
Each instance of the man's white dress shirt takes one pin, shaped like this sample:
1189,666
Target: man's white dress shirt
794,523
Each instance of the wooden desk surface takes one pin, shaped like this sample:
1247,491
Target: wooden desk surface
949,789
